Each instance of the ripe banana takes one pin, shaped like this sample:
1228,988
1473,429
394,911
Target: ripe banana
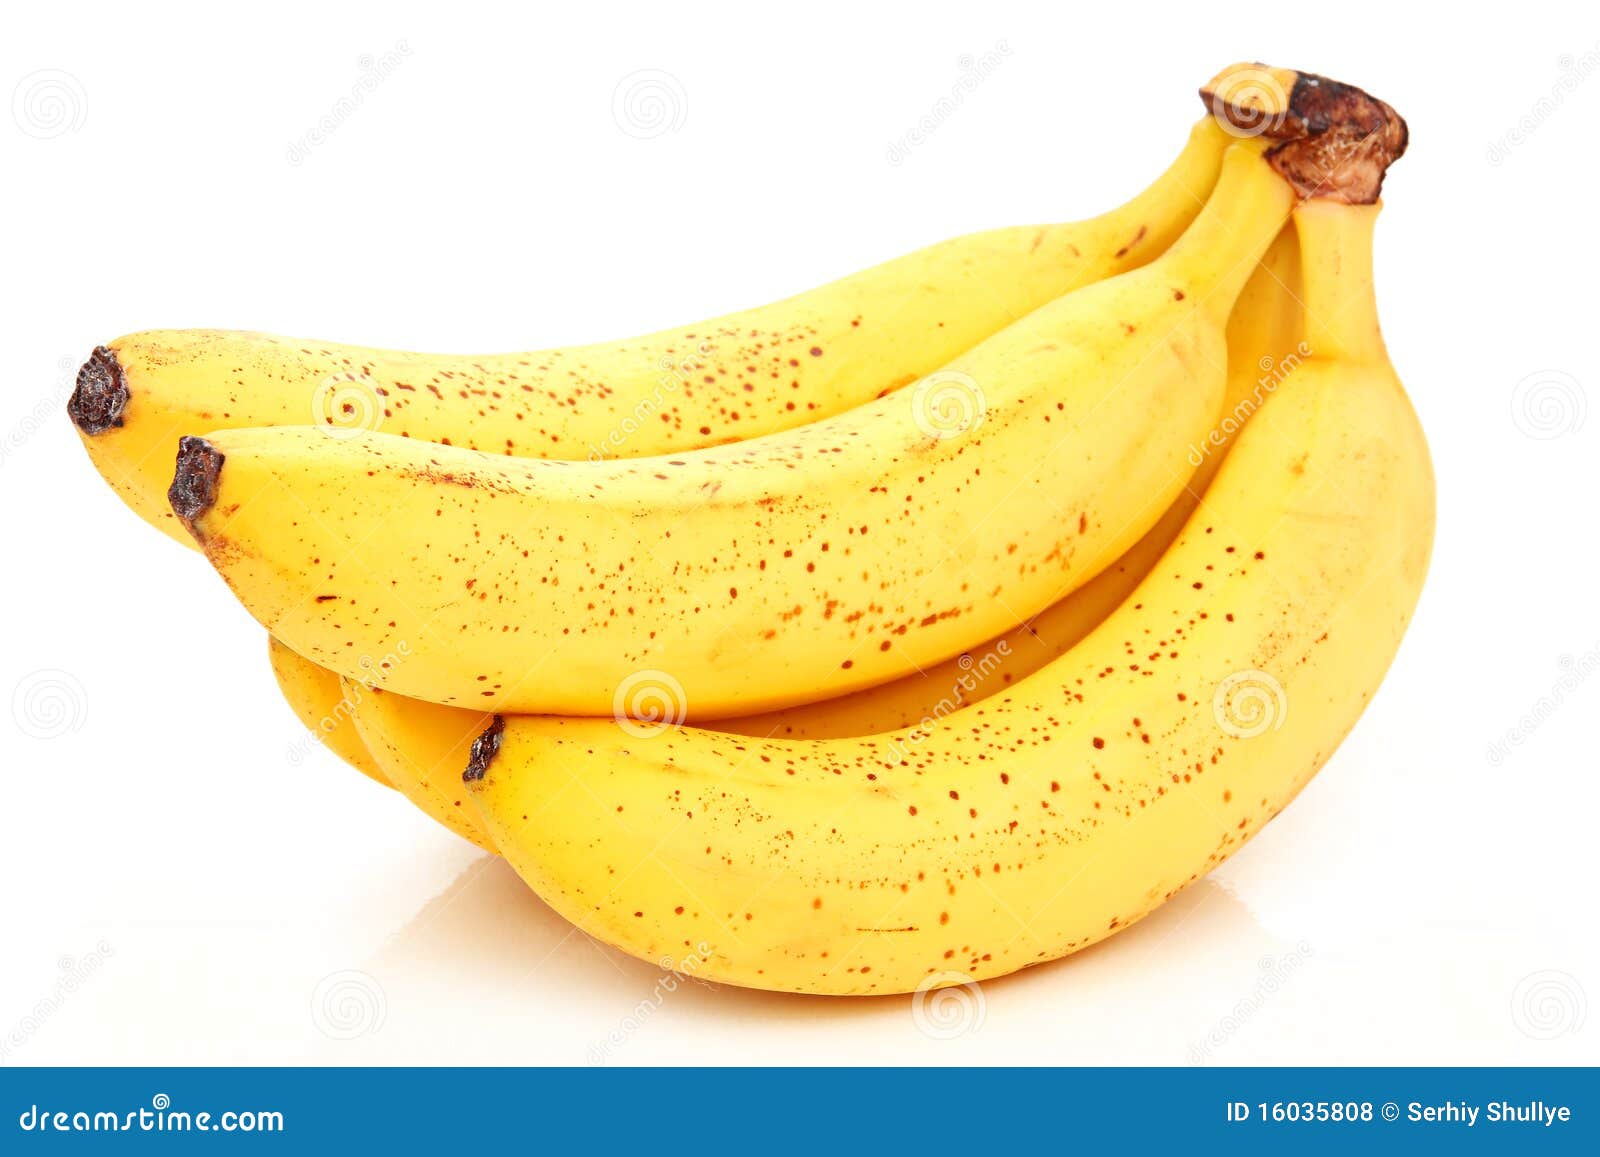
1048,818
421,747
173,366
1264,343
321,705
733,377
808,563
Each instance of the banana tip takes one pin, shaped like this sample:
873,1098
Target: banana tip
194,483
484,749
100,394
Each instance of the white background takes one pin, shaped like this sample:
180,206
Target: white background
1423,901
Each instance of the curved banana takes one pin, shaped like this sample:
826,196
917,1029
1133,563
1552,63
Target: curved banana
1264,343
1038,822
1263,332
421,746
421,749
733,377
323,707
314,693
809,563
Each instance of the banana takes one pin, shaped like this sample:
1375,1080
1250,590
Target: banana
746,374
808,563
421,749
1264,343
1048,818
165,370
320,704
421,746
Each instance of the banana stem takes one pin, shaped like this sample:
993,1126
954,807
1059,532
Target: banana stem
1218,253
100,394
1336,141
1341,308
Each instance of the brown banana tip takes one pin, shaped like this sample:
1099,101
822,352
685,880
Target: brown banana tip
1334,140
100,394
194,482
484,749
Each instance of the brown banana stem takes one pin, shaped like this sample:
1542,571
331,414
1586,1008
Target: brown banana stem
194,482
100,394
484,749
1334,140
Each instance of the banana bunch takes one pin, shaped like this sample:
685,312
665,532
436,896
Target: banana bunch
939,621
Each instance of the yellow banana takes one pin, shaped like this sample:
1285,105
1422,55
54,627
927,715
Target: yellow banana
421,746
807,563
320,704
1264,343
1016,269
1046,819
733,377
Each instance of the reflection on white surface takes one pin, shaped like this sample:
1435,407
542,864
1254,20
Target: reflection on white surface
486,951
481,971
